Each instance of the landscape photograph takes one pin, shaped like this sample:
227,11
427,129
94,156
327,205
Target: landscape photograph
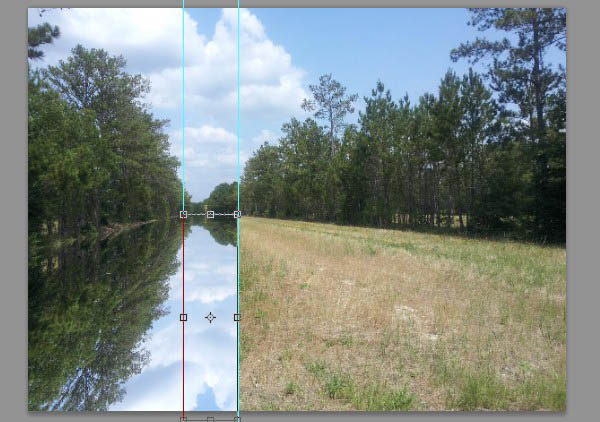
401,180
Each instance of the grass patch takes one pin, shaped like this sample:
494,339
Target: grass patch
317,368
491,257
544,392
485,390
377,398
408,246
460,323
291,388
285,356
343,340
245,345
480,391
340,386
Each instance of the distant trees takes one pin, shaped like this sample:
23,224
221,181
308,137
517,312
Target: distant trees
90,309
222,199
455,159
520,75
96,154
331,104
223,231
38,35
262,183
463,158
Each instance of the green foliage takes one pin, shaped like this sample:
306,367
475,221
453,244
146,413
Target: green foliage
96,155
42,34
317,368
338,386
371,396
222,199
330,104
377,398
459,160
484,390
291,388
224,232
90,307
522,78
262,184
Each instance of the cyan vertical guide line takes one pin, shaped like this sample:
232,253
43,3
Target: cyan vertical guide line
238,207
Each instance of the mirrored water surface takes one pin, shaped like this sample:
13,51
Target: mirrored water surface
104,329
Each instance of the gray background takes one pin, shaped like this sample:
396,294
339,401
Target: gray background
582,202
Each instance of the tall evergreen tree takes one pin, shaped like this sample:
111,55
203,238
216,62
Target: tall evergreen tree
521,76
331,104
448,114
480,125
143,171
39,35
377,125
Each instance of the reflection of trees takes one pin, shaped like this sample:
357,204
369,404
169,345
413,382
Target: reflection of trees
89,311
224,232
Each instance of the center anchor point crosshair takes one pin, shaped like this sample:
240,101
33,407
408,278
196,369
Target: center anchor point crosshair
210,317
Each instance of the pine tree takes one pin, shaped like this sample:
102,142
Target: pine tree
41,34
519,73
331,104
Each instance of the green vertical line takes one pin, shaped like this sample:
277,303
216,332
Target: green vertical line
182,105
238,207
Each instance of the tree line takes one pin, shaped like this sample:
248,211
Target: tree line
222,199
487,153
96,153
91,306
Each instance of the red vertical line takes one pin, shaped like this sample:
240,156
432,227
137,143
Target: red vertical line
183,312
237,343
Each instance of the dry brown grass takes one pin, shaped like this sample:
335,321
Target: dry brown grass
343,318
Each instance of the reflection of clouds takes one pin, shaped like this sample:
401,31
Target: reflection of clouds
227,270
216,294
210,349
203,282
210,362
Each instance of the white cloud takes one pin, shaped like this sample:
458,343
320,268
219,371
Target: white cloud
148,38
210,362
271,87
202,137
210,349
207,147
206,284
265,135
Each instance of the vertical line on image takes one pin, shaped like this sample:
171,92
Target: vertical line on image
182,105
182,208
183,318
238,207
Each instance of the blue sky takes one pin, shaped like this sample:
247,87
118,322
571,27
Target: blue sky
408,49
282,52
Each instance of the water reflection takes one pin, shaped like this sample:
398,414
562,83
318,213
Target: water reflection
104,330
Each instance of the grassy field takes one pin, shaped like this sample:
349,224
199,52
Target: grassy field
347,318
